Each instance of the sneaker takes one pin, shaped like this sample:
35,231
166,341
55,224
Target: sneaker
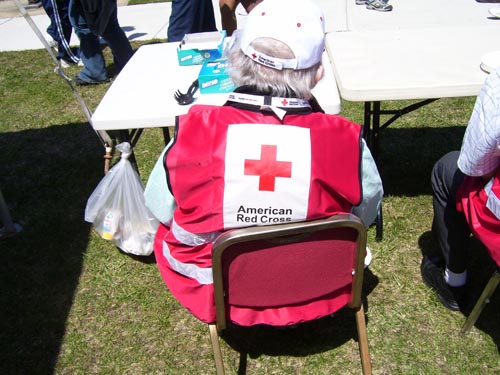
33,4
380,5
64,64
433,277
53,44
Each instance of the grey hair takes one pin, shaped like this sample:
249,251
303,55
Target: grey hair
280,83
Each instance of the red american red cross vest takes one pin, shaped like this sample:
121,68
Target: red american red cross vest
233,168
481,207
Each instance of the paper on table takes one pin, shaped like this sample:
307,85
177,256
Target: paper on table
202,41
490,61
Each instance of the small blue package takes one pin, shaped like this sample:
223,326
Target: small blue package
195,49
214,78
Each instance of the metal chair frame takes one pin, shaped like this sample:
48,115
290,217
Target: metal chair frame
488,291
294,232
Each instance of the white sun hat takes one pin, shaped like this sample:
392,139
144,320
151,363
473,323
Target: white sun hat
300,24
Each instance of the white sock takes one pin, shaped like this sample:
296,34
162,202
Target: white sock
368,257
455,279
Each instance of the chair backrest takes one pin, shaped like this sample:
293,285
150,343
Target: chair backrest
297,266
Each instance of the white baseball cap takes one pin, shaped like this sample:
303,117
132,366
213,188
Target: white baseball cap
300,24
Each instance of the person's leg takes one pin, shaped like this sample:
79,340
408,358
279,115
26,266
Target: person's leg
205,17
449,226
181,19
190,16
90,49
64,29
49,10
451,231
60,29
115,37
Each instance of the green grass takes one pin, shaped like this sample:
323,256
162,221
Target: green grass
72,303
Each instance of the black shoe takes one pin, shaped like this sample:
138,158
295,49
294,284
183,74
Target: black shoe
33,4
433,277
81,82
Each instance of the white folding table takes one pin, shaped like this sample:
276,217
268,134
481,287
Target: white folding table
142,95
403,64
424,63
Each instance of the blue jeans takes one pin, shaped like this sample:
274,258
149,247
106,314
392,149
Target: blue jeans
90,47
190,16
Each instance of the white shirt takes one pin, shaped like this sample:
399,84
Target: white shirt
480,152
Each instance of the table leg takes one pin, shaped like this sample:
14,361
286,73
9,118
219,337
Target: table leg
379,225
375,131
367,123
371,130
166,135
371,127
371,133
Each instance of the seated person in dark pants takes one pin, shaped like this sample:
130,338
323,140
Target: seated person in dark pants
466,187
269,155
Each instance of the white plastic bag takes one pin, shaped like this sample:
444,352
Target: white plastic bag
117,208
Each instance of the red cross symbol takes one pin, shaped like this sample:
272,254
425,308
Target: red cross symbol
268,168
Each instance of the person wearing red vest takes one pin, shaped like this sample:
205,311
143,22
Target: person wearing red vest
466,187
269,155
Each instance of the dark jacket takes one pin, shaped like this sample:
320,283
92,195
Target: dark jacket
97,13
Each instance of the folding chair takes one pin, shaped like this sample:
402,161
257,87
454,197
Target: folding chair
310,269
488,291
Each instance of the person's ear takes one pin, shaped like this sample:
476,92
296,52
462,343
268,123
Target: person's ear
319,73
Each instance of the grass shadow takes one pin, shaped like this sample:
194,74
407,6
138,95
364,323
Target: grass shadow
480,267
49,174
407,155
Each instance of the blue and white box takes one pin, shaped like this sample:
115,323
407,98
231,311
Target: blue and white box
195,49
214,78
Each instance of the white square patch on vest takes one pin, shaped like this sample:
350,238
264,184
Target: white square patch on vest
267,174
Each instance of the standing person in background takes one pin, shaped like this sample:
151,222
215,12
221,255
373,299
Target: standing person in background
92,19
60,30
190,16
228,12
